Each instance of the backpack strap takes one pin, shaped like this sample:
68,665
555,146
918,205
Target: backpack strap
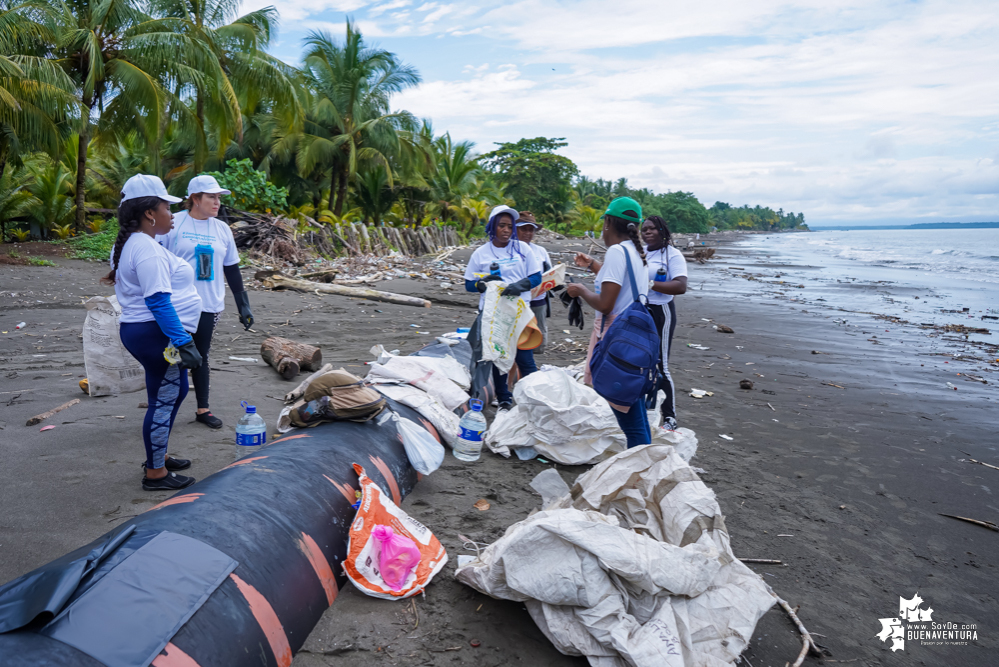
631,276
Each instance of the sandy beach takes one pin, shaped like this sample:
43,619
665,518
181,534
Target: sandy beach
838,463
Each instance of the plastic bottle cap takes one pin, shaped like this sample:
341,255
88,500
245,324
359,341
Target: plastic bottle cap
476,405
251,409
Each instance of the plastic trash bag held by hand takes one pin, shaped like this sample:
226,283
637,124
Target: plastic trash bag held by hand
481,284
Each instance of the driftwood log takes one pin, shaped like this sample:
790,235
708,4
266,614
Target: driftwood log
288,357
274,280
38,419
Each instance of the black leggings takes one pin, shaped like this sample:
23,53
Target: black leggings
665,319
203,341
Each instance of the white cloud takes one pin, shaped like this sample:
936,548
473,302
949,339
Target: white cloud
839,108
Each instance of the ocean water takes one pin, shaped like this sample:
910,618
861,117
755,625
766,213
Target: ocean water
923,276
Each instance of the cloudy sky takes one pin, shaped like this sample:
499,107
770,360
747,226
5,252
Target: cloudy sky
853,111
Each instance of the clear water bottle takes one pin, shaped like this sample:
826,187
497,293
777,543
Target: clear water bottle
251,432
472,426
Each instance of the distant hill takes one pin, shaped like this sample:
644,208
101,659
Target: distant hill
921,225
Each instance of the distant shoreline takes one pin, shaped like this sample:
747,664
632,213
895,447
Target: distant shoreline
920,225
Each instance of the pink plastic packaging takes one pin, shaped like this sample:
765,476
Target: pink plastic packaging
398,558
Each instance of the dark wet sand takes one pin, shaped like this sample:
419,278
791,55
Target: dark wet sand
856,476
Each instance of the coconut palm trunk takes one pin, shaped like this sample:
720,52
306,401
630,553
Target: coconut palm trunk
81,165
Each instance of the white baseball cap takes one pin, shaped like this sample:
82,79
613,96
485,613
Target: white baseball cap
144,185
503,209
207,184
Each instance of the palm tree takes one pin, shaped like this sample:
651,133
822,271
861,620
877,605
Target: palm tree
34,92
50,201
13,197
349,123
373,194
247,71
119,60
456,176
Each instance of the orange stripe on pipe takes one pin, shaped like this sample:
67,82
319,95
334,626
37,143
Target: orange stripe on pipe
268,621
389,478
431,429
174,657
347,490
292,437
317,559
177,500
244,462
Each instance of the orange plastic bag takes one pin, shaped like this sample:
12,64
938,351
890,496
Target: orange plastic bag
364,549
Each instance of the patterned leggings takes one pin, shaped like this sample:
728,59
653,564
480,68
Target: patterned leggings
166,386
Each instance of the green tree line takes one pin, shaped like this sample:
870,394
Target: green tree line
94,91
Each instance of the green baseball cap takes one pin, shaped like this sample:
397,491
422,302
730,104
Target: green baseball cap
619,209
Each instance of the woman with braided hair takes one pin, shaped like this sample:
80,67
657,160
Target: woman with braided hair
160,308
613,296
668,273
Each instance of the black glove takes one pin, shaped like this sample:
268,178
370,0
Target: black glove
242,300
189,355
576,313
481,284
517,288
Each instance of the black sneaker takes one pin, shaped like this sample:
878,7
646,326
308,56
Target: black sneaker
209,420
173,463
172,482
505,405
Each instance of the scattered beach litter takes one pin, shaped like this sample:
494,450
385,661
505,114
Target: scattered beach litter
618,596
46,428
745,384
250,359
38,419
698,347
727,437
700,393
721,328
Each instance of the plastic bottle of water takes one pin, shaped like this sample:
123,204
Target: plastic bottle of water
494,269
251,432
661,275
472,425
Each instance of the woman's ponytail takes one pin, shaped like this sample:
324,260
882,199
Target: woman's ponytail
626,227
130,215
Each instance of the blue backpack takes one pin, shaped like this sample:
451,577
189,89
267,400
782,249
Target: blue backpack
623,365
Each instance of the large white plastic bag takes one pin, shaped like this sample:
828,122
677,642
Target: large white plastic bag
503,320
408,369
442,419
568,422
425,453
447,365
110,368
596,592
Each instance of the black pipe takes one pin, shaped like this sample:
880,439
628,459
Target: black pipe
282,516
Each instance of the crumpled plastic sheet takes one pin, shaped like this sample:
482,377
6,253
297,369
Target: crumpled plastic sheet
446,422
633,568
431,374
568,422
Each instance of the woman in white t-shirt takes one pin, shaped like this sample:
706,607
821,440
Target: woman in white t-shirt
206,243
527,225
672,280
159,312
507,259
613,296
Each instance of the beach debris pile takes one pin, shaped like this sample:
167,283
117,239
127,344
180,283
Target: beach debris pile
288,358
276,238
632,567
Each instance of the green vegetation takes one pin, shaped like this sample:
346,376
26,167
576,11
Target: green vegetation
40,261
96,246
92,93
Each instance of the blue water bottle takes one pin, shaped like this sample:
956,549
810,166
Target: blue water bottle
661,275
251,432
494,269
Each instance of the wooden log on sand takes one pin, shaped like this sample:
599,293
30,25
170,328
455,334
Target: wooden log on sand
288,357
274,280
38,419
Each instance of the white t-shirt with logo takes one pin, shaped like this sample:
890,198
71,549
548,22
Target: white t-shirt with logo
670,259
542,254
516,261
615,270
183,239
147,268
